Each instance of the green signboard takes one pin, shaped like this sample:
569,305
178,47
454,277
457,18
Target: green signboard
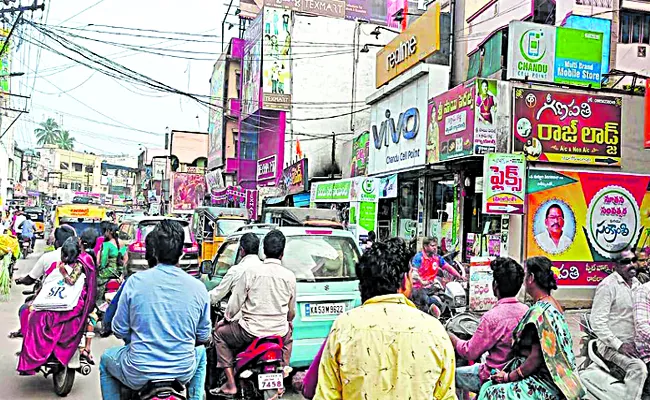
367,214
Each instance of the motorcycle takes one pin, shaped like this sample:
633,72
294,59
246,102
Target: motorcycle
156,390
452,296
464,326
26,247
601,379
63,376
258,370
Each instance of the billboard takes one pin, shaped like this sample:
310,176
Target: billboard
294,178
360,150
463,121
276,64
188,193
397,129
252,68
567,127
5,59
324,8
552,54
504,183
378,12
595,25
418,42
215,126
582,221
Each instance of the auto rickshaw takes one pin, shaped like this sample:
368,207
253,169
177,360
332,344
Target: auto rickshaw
37,214
80,216
211,226
298,216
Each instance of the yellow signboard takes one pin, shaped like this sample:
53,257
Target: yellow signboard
418,42
80,211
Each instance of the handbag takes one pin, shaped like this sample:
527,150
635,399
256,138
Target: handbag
57,295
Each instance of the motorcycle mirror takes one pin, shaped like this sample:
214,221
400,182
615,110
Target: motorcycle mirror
207,268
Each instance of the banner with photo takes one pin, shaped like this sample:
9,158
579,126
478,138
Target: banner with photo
215,115
189,192
582,221
276,64
252,68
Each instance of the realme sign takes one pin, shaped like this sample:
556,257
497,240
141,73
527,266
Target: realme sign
418,42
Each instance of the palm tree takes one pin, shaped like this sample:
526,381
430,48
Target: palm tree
48,133
65,141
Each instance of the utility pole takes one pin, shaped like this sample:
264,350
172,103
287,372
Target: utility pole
333,155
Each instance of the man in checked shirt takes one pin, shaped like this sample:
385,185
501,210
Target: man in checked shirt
642,329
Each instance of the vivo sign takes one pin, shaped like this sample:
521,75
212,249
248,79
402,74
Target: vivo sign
408,125
395,124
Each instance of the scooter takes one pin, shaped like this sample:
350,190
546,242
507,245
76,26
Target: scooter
62,375
258,370
601,379
156,390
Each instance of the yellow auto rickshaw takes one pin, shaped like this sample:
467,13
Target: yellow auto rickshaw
80,216
211,226
37,215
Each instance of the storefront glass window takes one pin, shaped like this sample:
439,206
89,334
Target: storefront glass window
408,209
441,214
483,232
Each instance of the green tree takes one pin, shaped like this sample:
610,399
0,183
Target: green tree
65,141
48,133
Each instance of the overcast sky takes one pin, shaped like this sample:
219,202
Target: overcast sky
76,95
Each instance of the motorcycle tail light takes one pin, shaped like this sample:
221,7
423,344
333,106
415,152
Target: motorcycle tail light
271,355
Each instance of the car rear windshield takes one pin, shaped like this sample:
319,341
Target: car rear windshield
147,227
314,258
226,227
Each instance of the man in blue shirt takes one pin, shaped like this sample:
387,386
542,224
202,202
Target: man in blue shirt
28,227
162,314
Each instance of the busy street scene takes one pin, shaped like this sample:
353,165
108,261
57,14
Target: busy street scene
325,199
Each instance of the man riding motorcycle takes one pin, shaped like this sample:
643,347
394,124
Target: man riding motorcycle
163,314
265,296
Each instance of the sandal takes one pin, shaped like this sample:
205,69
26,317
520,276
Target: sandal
217,392
85,355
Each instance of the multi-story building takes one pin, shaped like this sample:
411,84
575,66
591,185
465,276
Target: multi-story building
71,171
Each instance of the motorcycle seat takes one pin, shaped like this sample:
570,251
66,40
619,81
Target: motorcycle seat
162,388
259,346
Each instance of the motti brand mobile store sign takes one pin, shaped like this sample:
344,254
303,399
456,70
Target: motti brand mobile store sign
561,55
398,129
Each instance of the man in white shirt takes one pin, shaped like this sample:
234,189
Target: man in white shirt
612,319
249,246
265,296
20,218
553,240
61,234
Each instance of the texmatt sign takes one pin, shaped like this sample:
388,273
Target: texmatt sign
397,130
554,54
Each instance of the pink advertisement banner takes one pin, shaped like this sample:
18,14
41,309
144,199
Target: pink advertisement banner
189,191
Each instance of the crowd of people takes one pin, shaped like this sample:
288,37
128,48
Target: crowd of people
385,348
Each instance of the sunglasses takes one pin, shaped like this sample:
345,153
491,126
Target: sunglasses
628,261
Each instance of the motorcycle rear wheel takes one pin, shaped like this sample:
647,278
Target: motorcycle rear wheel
63,380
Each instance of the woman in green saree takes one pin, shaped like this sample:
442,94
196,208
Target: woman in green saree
112,259
544,365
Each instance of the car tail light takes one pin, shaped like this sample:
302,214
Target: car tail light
318,232
193,249
137,247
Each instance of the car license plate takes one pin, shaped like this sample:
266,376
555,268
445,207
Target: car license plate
461,309
270,381
324,309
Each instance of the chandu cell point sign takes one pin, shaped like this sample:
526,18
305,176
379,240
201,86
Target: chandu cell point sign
546,53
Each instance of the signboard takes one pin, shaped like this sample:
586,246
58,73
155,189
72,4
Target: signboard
584,220
188,192
214,180
360,152
419,41
215,115
346,190
567,127
504,183
552,54
252,67
451,124
294,178
267,168
388,187
481,296
276,64
324,8
397,129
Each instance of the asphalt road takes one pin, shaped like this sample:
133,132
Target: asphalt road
16,387
87,387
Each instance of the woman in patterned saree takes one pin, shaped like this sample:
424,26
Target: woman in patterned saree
544,365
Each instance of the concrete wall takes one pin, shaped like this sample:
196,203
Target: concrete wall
234,67
327,77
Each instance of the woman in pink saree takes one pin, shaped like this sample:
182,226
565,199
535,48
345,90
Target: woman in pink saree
58,333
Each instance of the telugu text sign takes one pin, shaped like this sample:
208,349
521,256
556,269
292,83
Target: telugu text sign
504,178
567,127
582,221
451,124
